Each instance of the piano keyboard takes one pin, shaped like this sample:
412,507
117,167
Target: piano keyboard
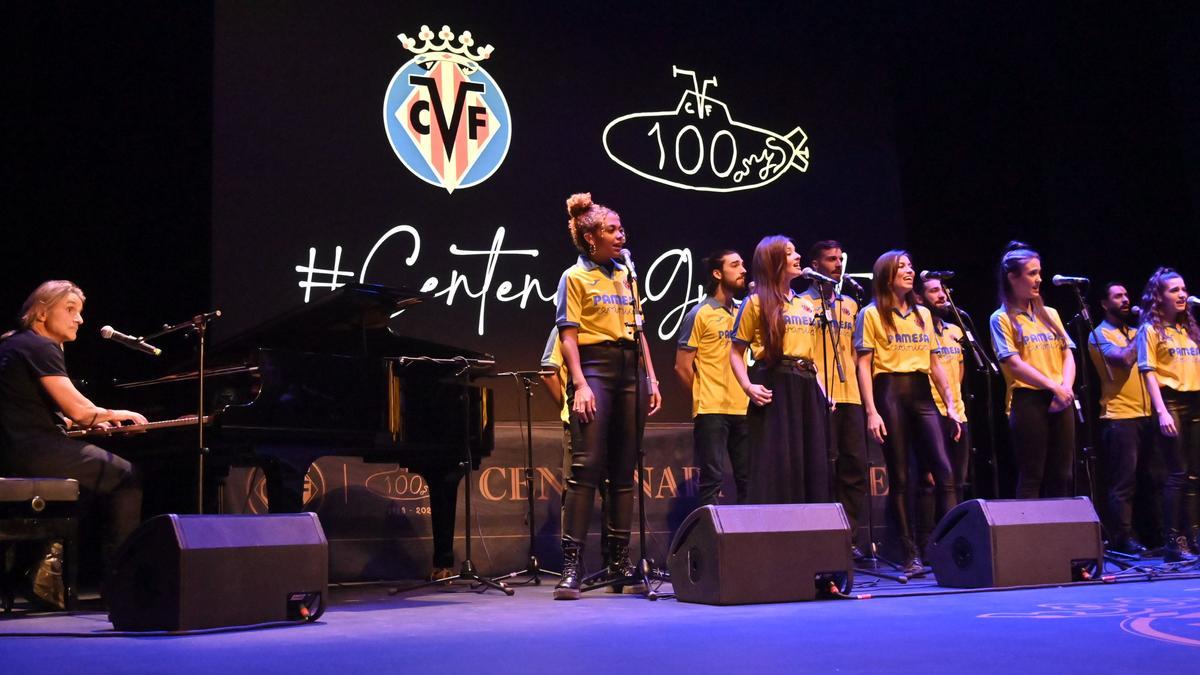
95,432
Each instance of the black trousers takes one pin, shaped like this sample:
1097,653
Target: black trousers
1043,443
1133,466
103,477
714,436
568,443
959,454
849,447
1181,501
789,458
913,442
606,447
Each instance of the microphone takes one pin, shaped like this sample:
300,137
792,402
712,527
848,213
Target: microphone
136,343
1137,311
1060,280
847,279
628,263
1193,302
813,275
207,316
926,275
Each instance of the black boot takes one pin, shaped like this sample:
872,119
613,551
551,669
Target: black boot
913,565
1177,548
1191,515
1127,545
621,569
572,571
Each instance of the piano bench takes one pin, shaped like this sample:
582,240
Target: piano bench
38,509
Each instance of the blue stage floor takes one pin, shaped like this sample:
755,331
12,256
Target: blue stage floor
1086,628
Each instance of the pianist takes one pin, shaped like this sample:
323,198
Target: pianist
36,395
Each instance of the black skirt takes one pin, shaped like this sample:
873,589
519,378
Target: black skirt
789,457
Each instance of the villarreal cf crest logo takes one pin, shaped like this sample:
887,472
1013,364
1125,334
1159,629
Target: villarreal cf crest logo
445,117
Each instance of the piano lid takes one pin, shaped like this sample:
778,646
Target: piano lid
353,321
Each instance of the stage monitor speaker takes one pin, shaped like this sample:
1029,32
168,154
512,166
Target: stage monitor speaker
1017,542
179,573
736,555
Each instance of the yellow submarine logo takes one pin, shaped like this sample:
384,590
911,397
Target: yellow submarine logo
699,146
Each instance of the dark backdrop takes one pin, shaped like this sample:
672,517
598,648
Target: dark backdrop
301,161
1078,130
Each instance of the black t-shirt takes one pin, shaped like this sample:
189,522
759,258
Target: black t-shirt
26,409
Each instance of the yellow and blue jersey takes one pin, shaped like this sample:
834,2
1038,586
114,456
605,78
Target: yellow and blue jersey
597,301
799,335
1124,396
948,350
1037,343
552,359
707,330
905,350
1174,359
845,311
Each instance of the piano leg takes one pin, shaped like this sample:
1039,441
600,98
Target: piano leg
285,483
443,506
285,475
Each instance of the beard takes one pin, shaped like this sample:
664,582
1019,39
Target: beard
737,292
940,311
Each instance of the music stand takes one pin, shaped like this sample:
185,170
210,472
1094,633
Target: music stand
533,567
467,571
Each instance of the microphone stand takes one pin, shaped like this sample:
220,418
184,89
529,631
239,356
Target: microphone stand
646,572
533,567
199,324
984,363
871,558
823,320
835,337
1087,458
467,571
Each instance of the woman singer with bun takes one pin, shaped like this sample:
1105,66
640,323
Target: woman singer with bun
1035,355
604,385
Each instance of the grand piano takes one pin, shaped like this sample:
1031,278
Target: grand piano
329,378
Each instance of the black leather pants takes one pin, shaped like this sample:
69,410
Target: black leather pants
606,447
914,440
1181,503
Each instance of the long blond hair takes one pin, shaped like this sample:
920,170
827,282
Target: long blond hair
1016,254
44,297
